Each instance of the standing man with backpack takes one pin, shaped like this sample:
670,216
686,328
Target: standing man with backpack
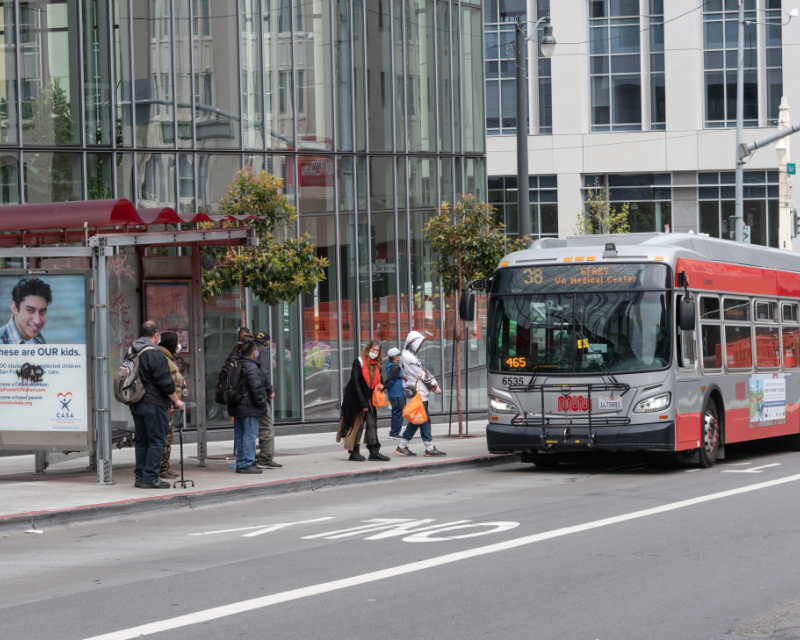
151,412
247,402
266,430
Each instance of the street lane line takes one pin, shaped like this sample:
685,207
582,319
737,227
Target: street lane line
326,587
753,469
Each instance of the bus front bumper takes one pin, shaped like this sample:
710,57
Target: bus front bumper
506,438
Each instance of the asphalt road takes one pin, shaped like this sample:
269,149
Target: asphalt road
609,551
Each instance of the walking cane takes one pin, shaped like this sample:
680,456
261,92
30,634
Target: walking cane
182,481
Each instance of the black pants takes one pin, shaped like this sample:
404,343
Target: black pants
152,425
370,423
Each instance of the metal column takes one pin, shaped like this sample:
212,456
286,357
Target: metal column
102,415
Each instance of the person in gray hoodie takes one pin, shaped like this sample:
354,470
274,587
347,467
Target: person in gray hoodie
417,379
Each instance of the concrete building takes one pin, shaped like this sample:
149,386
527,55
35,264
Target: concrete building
371,111
639,99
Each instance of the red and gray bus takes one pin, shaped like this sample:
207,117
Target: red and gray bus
658,342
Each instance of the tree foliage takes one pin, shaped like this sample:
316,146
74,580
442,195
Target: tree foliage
468,243
281,267
600,217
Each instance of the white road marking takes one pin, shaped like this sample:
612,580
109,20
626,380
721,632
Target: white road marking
427,536
753,469
374,576
265,528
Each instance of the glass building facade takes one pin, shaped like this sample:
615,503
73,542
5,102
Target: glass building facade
371,111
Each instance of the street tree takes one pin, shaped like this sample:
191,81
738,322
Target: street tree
468,244
281,267
599,216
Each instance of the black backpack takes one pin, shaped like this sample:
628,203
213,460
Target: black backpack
229,383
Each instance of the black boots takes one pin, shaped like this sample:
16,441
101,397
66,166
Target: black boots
375,453
355,455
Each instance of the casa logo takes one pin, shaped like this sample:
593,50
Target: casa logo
65,399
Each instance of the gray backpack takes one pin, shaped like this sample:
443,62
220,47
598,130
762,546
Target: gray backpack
128,386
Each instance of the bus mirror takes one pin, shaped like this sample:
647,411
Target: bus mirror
466,306
687,314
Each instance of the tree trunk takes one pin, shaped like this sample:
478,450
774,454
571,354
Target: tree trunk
456,337
242,300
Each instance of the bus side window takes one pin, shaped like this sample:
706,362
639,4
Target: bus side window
687,344
710,333
790,336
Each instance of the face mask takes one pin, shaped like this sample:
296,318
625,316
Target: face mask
178,348
374,354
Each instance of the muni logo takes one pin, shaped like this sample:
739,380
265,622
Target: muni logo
573,404
65,399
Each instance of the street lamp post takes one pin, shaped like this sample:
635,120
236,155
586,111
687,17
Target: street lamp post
548,45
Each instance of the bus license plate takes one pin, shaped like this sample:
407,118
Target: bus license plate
610,403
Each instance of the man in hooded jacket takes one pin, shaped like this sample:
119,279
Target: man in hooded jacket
417,379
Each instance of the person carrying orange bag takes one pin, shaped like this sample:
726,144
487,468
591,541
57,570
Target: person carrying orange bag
419,384
359,414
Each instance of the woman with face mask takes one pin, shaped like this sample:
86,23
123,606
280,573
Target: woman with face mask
359,417
169,346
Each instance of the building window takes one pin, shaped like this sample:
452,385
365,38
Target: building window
658,96
615,65
648,196
501,101
774,60
543,199
720,41
545,77
717,206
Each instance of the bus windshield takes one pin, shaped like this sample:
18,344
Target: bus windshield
560,333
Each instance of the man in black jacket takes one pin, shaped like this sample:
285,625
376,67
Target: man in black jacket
151,414
249,409
266,431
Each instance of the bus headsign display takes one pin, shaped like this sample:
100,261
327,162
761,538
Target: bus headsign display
581,277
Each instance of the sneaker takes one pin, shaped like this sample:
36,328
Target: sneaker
137,481
251,469
158,484
405,451
434,453
269,465
169,473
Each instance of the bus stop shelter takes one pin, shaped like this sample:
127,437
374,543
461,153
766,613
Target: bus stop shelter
79,239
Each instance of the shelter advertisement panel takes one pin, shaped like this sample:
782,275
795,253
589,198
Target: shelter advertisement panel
43,353
767,399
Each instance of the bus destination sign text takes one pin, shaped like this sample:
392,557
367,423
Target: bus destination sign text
575,277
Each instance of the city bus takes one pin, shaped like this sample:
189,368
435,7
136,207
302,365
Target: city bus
676,343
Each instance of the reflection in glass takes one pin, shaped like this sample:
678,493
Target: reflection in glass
381,183
99,179
399,77
122,73
186,201
152,62
457,97
9,179
286,364
252,93
215,173
475,169
321,366
312,51
420,83
359,75
345,176
156,174
384,280
422,182
216,70
472,61
283,167
347,266
52,177
8,74
445,57
96,73
278,83
379,75
446,180
183,70
316,175
50,72
344,76
125,180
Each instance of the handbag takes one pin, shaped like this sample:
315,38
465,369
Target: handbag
378,398
414,411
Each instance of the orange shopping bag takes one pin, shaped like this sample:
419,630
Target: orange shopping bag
414,411
378,398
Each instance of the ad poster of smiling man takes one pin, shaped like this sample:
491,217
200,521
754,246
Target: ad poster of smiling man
43,353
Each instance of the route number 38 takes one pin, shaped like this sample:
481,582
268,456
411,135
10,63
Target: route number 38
533,276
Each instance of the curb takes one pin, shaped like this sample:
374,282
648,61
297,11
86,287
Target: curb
215,497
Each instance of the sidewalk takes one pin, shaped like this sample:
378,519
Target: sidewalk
66,494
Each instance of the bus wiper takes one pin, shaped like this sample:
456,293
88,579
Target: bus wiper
598,356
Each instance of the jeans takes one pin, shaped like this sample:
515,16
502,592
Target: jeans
152,424
425,428
266,438
397,415
245,432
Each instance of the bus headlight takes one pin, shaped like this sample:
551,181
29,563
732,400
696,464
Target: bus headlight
496,405
656,403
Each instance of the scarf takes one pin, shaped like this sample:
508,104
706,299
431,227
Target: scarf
365,372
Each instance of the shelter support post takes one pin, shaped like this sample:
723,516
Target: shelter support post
197,345
100,352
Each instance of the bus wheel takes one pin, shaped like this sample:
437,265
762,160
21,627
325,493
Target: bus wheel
710,443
